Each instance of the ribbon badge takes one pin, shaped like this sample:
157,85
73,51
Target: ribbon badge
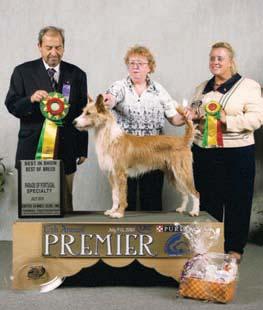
54,108
212,131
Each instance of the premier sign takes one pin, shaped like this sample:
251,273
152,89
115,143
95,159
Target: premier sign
112,240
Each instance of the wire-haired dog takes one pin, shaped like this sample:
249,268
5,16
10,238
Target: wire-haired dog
122,155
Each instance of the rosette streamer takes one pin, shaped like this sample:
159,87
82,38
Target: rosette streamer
54,108
212,132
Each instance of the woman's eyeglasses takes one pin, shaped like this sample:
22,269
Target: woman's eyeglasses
136,64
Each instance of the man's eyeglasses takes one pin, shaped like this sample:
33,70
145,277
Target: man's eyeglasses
136,64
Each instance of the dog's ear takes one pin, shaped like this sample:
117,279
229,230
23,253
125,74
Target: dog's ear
90,99
100,104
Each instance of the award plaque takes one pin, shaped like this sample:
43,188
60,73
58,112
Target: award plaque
40,189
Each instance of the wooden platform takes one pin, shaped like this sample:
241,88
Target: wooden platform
40,256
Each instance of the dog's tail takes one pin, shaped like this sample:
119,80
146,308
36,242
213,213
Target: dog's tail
189,126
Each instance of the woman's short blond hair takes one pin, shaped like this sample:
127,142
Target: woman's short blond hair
231,53
141,51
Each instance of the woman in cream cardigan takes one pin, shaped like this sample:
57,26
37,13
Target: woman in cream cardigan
224,169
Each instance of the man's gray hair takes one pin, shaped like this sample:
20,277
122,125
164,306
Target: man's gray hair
53,30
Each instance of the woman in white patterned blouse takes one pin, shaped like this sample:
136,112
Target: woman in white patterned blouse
141,106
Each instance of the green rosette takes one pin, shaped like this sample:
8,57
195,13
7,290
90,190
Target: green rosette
54,108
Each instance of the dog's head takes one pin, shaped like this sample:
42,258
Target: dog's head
94,115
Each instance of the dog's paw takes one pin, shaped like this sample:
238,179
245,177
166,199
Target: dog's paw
180,210
117,215
194,213
108,212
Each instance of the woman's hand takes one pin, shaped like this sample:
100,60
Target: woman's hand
222,116
189,114
179,118
109,100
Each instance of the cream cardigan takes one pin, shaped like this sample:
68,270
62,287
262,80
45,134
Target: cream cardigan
243,105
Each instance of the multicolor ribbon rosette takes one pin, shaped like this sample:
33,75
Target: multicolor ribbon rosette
212,132
54,108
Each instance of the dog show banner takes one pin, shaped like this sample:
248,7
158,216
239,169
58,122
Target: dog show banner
106,240
40,188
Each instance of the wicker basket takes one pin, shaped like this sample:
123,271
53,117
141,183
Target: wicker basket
212,291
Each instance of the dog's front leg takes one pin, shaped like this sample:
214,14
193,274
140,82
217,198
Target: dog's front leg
115,196
121,181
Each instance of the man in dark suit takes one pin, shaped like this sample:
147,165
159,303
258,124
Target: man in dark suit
30,83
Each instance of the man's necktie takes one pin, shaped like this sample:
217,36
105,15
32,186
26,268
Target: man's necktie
51,72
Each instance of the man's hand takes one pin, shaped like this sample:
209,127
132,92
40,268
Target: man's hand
38,96
81,160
